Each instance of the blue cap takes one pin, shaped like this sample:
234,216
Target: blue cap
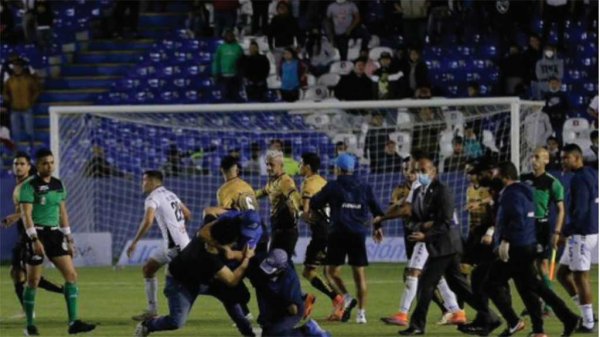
345,162
276,260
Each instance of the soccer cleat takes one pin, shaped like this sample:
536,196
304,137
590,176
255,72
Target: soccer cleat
348,306
571,326
146,315
411,332
445,318
479,330
400,318
309,302
338,309
79,326
511,330
458,318
583,329
141,330
361,318
31,330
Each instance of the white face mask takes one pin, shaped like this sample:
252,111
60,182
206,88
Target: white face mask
549,53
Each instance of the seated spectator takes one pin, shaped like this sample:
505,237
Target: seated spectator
415,72
458,160
344,24
290,165
593,110
225,67
370,65
513,70
547,67
590,155
388,78
98,166
21,91
282,31
355,86
256,68
390,161
472,145
253,165
556,106
553,146
293,75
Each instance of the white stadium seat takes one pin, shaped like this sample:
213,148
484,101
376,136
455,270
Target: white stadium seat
341,67
318,120
577,131
446,137
348,138
403,142
329,80
273,82
455,121
315,93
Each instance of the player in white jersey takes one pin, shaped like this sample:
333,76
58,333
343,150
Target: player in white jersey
171,215
418,258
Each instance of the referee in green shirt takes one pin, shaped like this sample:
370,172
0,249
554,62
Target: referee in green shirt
42,201
547,189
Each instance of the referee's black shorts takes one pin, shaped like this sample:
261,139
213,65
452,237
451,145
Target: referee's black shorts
543,234
54,241
342,244
17,261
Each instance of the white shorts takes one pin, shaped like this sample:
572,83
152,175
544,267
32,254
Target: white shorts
578,252
164,256
419,256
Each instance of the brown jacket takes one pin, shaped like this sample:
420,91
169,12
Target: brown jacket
22,91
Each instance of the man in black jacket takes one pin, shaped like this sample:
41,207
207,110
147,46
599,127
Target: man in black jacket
355,86
435,224
256,70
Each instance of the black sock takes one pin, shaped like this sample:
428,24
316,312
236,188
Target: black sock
19,291
49,286
318,283
439,301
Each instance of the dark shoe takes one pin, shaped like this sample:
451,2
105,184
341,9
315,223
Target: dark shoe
493,326
524,313
582,329
411,331
511,330
80,326
348,306
473,329
571,326
31,330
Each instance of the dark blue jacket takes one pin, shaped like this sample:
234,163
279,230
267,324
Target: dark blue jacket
351,201
251,230
583,205
515,221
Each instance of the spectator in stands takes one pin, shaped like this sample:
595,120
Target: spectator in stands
377,135
531,56
370,65
340,147
423,92
415,71
388,78
282,31
355,86
553,146
590,155
225,16
473,147
556,106
253,165
593,110
546,68
320,51
98,166
414,21
260,16
226,62
554,11
44,19
28,21
473,89
458,160
290,165
391,161
256,70
293,75
126,14
198,18
7,23
512,70
426,132
173,167
344,24
21,90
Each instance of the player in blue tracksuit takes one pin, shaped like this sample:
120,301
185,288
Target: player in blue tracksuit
515,235
279,296
581,232
351,202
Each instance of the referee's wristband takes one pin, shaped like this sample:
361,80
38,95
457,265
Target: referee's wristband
31,232
65,230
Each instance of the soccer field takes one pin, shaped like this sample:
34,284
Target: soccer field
110,297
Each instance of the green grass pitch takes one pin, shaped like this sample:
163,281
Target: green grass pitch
110,297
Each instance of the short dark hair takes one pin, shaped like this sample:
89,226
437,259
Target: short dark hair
457,140
43,153
311,159
361,59
154,174
22,154
508,170
226,232
572,149
228,162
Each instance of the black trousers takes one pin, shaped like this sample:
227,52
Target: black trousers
520,267
449,267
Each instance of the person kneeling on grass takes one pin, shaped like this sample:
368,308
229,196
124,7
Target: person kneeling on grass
279,297
193,271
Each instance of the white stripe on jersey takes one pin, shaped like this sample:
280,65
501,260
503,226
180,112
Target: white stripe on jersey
169,216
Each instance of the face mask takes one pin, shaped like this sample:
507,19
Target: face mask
549,53
424,179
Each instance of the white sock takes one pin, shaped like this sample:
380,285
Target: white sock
575,299
361,312
450,302
588,315
410,291
152,293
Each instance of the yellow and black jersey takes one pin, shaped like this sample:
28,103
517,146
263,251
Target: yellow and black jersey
481,213
237,194
319,218
284,199
399,194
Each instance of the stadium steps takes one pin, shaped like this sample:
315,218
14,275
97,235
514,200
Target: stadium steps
69,95
110,44
108,56
80,82
97,69
169,19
